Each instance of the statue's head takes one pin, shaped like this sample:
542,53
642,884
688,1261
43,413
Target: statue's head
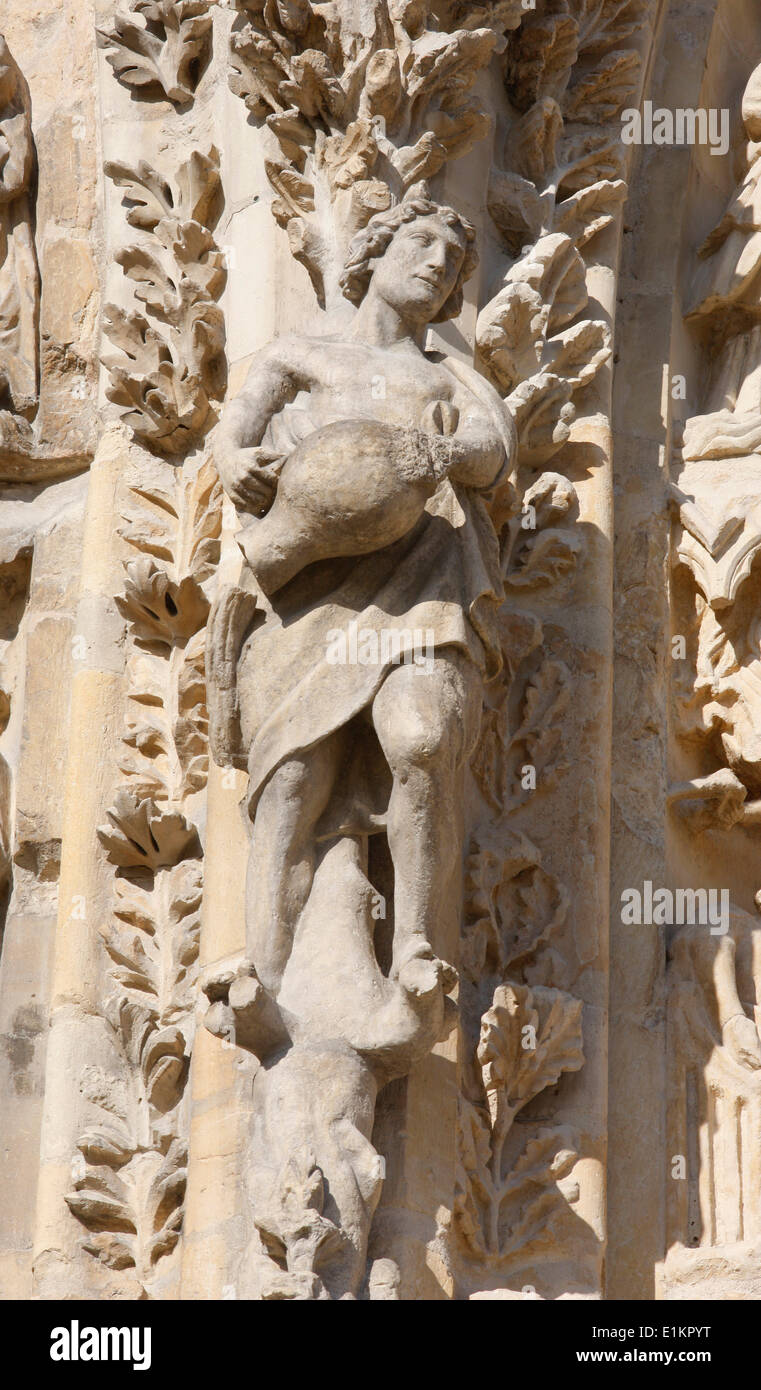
417,256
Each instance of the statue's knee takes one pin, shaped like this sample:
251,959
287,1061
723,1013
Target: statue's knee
429,722
421,739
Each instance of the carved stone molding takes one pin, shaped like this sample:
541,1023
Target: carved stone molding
130,1188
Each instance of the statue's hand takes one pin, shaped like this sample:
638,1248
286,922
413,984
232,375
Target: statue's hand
740,1037
250,478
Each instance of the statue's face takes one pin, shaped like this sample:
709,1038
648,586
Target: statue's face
419,269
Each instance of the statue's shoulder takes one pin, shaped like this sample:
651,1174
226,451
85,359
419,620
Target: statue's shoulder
285,354
295,347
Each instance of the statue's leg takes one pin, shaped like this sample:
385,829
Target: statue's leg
427,723
282,860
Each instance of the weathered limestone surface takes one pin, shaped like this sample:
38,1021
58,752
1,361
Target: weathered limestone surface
379,536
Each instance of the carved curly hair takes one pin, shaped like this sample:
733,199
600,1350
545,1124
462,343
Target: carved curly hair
374,239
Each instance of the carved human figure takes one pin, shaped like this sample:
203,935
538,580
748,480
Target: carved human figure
369,425
725,294
717,1072
19,277
711,962
363,468
732,253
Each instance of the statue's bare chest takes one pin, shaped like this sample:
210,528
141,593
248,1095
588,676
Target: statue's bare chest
389,385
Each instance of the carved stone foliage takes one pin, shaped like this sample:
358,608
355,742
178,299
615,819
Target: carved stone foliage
509,1181
558,184
516,1189
365,98
130,1181
160,46
539,549
175,531
169,365
19,273
131,1176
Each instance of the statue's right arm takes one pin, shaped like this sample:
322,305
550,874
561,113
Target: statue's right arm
273,380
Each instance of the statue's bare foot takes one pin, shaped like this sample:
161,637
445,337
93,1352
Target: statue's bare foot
417,951
242,1011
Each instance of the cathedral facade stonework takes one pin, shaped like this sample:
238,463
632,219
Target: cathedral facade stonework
380,778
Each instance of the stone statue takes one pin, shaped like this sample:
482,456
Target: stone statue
725,296
364,467
19,276
716,1063
732,253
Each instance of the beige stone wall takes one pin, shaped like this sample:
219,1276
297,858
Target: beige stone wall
575,1113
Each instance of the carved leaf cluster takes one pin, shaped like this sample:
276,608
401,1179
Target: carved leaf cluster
365,101
716,702
169,365
130,1190
130,1193
175,527
538,545
537,348
159,46
558,184
512,905
143,834
500,15
530,736
572,52
153,945
134,1211
508,1202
